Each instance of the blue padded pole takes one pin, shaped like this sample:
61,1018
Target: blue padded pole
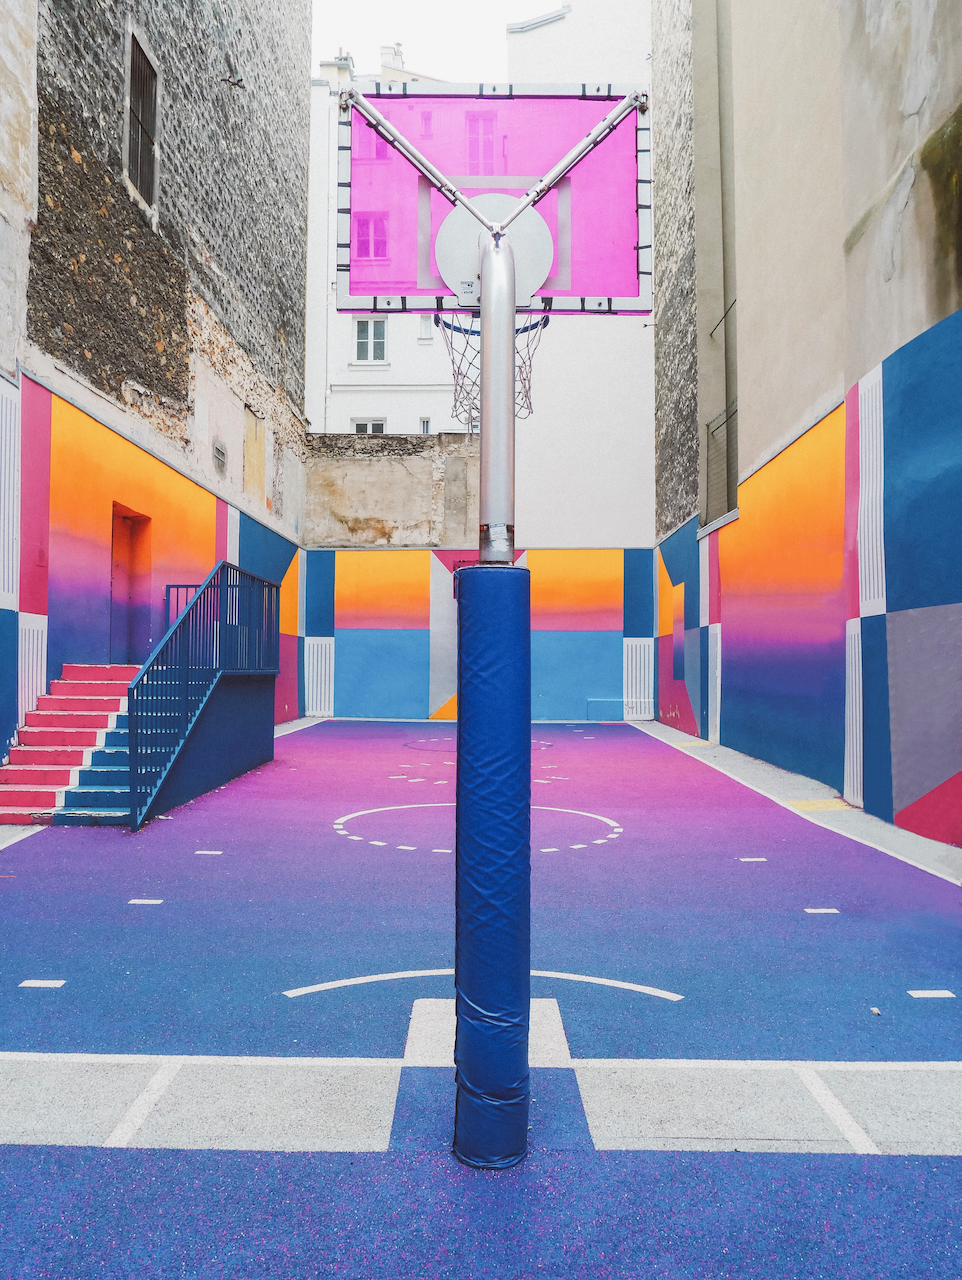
493,947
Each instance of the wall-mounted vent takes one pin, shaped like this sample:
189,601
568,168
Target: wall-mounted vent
871,495
219,454
319,675
639,679
32,675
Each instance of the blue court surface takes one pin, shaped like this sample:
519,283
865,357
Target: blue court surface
731,937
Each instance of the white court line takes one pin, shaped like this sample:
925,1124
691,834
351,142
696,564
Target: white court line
847,1125
43,982
607,982
752,859
145,902
822,911
210,853
444,973
141,1107
932,995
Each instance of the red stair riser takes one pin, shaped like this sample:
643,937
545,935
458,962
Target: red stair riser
27,797
57,737
87,689
68,719
35,776
123,675
47,702
53,756
25,818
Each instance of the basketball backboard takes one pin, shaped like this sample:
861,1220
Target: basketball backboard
585,247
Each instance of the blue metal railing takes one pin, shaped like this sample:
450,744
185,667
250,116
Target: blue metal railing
176,600
231,625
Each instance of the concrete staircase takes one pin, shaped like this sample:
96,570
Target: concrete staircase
71,766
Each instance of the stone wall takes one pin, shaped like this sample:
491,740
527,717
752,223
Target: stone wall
18,171
673,200
382,491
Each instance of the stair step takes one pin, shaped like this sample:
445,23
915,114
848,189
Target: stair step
110,757
68,719
31,797
47,756
93,798
35,775
88,689
26,817
90,818
81,671
105,777
62,702
57,736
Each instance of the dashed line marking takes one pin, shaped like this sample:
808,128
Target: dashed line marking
932,995
43,982
822,911
144,902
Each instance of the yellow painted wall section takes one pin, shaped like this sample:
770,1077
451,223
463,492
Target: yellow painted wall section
577,590
382,589
666,613
289,598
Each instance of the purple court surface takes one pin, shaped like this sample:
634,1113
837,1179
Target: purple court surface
335,862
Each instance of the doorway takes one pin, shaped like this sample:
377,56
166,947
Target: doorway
130,622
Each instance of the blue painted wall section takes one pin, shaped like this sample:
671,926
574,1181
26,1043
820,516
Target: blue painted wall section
639,592
569,668
382,673
319,594
9,648
262,551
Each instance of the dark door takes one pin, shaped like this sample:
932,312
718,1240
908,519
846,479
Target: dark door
130,629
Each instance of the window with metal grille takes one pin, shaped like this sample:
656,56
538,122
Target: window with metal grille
142,123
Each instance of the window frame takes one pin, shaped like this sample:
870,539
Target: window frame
369,360
369,423
135,32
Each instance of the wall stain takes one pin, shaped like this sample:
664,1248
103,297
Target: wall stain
941,158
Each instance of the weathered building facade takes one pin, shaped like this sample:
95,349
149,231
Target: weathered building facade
810,155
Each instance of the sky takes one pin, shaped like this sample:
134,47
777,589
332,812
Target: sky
459,40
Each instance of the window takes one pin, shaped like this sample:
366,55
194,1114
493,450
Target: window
425,426
142,123
375,428
371,339
370,235
480,143
426,333
426,125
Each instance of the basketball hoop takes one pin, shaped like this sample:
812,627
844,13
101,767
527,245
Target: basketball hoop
462,337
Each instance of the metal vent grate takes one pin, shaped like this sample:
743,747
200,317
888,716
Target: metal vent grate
639,679
32,677
319,675
143,122
871,495
853,711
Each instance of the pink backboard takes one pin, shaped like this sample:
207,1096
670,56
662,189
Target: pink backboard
599,214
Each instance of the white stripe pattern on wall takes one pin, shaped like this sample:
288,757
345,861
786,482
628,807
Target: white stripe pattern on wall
853,711
871,495
32,666
9,495
639,679
318,675
714,681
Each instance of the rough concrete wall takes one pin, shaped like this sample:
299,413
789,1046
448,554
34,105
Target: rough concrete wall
902,115
232,195
379,491
789,231
18,173
673,200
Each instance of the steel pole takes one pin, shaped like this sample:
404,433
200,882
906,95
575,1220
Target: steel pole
496,543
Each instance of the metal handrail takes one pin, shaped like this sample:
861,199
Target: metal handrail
231,625
180,594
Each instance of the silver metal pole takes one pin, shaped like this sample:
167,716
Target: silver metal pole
498,321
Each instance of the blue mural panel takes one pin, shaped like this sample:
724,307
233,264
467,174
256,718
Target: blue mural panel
319,594
569,668
680,554
639,592
262,551
9,648
923,469
382,674
876,734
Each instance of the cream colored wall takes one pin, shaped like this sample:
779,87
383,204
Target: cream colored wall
789,220
903,79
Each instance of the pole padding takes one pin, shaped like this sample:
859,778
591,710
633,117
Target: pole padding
493,930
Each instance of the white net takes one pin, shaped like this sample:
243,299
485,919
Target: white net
462,337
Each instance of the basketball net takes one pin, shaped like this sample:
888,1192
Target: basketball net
462,337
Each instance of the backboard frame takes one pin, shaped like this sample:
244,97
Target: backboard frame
419,303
